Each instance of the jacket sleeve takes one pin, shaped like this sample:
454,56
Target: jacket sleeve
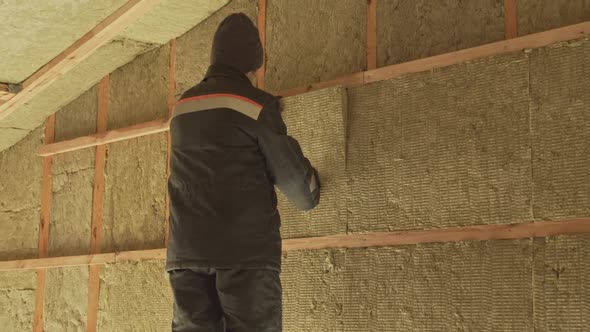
291,172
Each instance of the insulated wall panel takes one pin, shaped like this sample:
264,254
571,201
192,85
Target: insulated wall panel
135,193
316,120
449,147
311,41
560,103
561,279
135,296
470,286
412,29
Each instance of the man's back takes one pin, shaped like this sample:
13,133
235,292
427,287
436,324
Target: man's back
229,149
223,203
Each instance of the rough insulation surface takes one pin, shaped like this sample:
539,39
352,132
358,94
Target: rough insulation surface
66,299
17,300
560,102
413,29
20,198
73,179
67,88
316,120
310,41
171,18
37,31
444,148
313,292
135,190
193,49
135,297
78,118
71,203
471,286
561,279
139,90
540,15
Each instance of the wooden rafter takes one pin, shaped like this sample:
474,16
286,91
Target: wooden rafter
77,52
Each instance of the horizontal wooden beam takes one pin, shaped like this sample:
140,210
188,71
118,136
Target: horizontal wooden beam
142,129
506,46
455,234
112,26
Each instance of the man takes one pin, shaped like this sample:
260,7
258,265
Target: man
229,148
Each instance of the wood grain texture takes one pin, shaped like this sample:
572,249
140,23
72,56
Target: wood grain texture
362,240
372,34
510,19
260,73
97,206
43,240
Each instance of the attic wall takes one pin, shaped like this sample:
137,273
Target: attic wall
449,147
409,29
497,140
540,15
17,300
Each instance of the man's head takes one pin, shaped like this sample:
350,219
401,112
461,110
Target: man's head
236,43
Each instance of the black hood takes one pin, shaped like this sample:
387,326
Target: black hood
237,44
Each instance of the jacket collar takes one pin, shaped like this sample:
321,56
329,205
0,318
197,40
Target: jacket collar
221,70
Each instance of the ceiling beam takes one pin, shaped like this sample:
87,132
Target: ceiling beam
112,26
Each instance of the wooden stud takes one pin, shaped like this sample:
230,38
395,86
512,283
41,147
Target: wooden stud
43,240
171,101
362,240
371,34
260,73
105,31
97,206
510,19
507,46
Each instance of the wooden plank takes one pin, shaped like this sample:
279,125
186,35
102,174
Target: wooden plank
43,240
378,239
77,52
348,80
171,102
93,297
516,44
371,34
261,23
97,206
456,234
39,300
99,163
55,262
506,46
43,243
112,136
510,19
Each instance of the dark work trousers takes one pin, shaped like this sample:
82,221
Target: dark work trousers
226,300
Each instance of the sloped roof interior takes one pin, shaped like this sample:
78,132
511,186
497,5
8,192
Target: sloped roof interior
34,32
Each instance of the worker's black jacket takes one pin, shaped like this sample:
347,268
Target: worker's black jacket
229,148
